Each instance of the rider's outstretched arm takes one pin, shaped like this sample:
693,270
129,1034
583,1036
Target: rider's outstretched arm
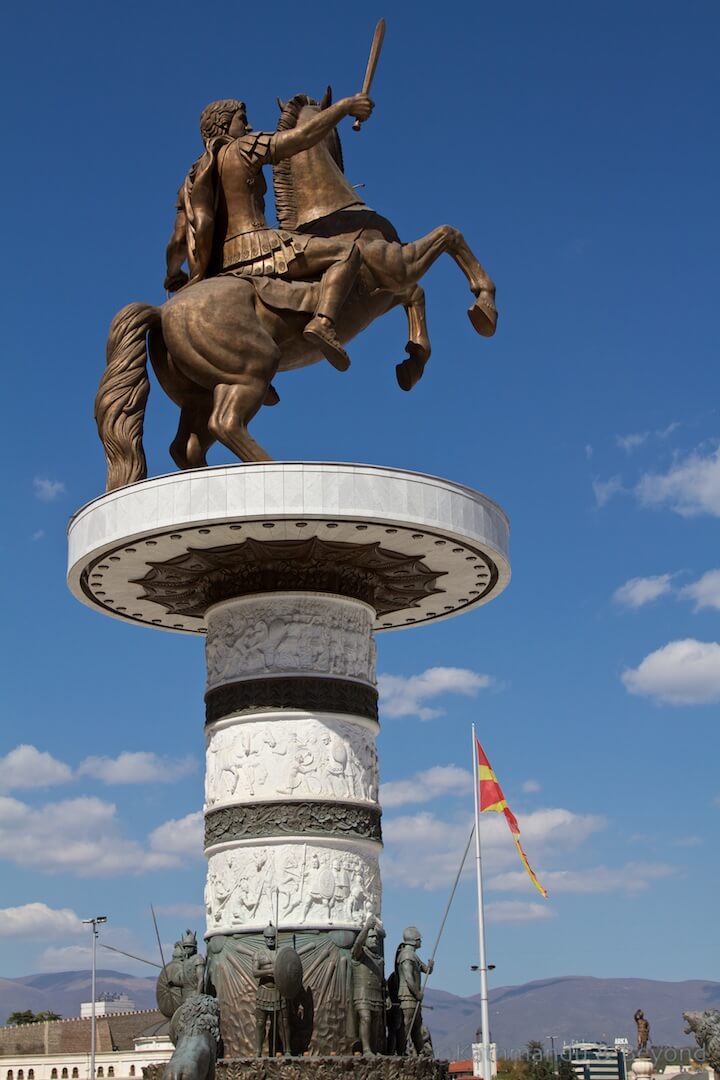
286,143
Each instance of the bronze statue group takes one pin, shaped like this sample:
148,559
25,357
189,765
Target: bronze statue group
386,1013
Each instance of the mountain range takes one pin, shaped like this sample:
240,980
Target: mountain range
569,1007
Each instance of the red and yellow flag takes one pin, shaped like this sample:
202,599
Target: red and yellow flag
492,798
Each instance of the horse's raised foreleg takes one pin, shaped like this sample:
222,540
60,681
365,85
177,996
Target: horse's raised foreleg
397,266
410,370
233,408
483,313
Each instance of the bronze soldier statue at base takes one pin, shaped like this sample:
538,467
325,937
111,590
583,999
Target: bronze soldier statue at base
269,1003
408,969
368,982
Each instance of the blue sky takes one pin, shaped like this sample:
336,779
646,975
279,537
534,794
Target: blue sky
575,145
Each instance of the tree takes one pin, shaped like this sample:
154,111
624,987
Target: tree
539,1068
565,1069
17,1018
29,1017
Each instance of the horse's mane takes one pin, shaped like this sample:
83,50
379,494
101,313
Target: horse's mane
283,186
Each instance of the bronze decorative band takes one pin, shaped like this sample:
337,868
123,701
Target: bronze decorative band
190,583
271,819
310,693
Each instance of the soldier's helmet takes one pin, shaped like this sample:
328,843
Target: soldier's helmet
411,935
189,940
270,933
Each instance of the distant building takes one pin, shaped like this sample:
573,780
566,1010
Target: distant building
60,1049
107,1005
594,1061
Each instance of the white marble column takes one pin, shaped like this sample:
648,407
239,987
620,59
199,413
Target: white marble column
291,794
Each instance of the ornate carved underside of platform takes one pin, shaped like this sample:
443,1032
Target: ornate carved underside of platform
322,1068
190,583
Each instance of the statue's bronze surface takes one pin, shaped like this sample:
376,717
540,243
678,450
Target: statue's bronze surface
368,986
183,977
271,1008
705,1026
643,1031
409,968
258,299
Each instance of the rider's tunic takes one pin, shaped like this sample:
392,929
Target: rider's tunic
250,246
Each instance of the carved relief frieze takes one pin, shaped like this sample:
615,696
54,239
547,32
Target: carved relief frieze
310,885
311,758
289,634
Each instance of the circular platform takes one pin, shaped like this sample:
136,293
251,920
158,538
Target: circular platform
162,551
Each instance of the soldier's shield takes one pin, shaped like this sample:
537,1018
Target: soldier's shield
288,973
169,997
326,884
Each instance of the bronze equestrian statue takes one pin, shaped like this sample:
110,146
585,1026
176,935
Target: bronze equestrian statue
256,300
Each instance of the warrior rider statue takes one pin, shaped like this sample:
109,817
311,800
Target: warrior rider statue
220,227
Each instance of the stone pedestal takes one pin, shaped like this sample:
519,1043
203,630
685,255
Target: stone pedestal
642,1067
289,569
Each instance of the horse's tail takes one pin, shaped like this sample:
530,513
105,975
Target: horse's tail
123,392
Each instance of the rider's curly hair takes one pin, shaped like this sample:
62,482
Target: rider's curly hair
215,119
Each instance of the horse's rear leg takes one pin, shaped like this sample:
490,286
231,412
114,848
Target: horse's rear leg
193,440
410,370
233,408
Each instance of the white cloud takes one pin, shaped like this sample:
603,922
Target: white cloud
705,591
38,534
47,490
181,911
688,842
603,490
628,443
690,487
428,784
518,911
28,767
404,695
631,878
683,672
39,921
66,958
80,836
530,787
663,433
588,451
639,591
424,851
179,837
141,767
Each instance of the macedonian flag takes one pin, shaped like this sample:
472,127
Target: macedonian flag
491,798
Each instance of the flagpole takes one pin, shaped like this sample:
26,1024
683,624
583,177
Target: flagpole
484,1012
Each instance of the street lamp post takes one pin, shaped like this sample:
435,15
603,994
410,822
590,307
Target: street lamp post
94,922
552,1039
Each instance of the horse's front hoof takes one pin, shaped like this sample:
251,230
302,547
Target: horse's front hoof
483,315
409,372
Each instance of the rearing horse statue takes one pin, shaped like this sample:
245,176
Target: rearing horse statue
217,344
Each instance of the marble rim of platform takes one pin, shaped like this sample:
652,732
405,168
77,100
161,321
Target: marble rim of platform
456,532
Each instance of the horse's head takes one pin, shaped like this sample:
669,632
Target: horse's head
298,180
